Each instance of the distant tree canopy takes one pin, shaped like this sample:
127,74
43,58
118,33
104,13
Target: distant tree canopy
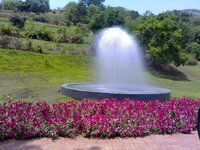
75,12
87,3
167,37
110,16
37,6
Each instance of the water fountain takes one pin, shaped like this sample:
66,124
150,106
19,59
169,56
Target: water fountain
120,68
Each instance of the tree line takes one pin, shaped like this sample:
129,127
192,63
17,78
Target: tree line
169,37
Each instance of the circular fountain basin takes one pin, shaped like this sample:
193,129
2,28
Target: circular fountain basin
101,91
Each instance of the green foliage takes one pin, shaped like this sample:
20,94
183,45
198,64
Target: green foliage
18,21
93,10
9,30
76,12
194,49
41,19
98,21
92,2
114,16
161,36
12,4
108,18
196,35
37,6
39,33
77,39
4,41
191,60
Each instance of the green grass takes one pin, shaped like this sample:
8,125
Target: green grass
52,47
32,76
189,87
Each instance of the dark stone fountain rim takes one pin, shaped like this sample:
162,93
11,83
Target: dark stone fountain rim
74,90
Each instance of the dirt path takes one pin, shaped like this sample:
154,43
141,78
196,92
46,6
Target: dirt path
154,142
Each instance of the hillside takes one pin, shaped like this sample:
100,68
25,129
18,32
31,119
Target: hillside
31,76
27,75
55,47
192,11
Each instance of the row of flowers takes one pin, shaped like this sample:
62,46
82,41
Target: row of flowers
106,118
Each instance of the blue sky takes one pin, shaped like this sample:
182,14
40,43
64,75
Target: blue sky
156,6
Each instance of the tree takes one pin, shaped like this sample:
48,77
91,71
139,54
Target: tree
12,4
98,21
114,16
161,37
194,49
87,3
37,6
75,12
134,14
109,17
92,10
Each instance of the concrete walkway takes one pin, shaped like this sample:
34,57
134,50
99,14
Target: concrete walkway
153,142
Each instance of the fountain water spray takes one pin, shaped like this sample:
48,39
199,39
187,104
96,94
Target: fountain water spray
120,68
119,58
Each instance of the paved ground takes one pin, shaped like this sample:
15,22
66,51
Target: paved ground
154,142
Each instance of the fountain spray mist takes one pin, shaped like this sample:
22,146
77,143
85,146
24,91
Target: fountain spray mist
119,58
120,69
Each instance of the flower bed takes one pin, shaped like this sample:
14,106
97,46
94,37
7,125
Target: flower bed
97,118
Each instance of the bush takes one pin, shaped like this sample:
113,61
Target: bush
39,33
77,39
18,21
4,41
191,60
41,19
97,118
9,30
82,29
62,38
11,43
194,49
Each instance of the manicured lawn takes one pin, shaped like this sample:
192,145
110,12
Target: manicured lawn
184,87
38,76
32,76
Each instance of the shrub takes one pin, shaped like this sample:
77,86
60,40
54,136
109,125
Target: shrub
82,29
194,49
4,41
77,39
29,45
38,49
39,33
9,30
16,43
41,19
106,118
11,43
18,21
62,38
191,60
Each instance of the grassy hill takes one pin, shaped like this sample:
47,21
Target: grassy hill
32,76
38,76
26,75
